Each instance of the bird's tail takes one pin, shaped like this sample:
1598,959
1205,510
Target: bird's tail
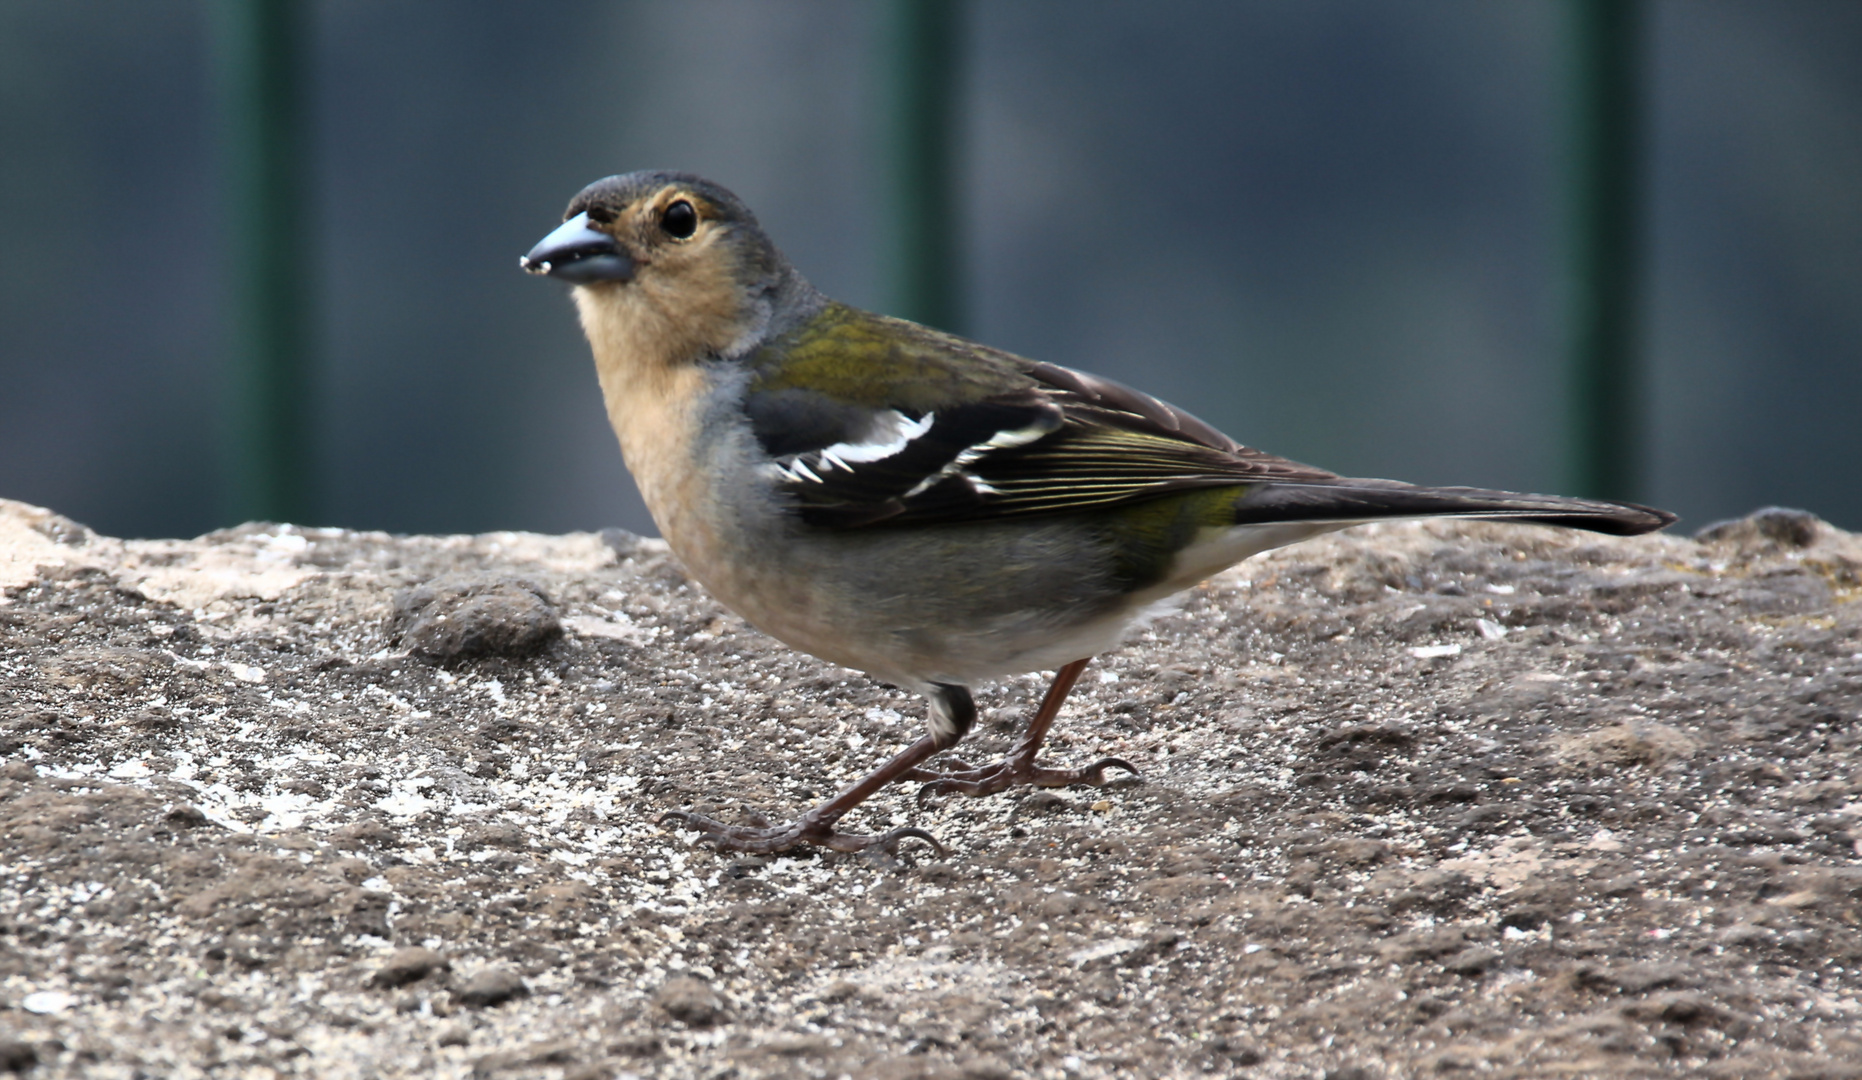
1374,500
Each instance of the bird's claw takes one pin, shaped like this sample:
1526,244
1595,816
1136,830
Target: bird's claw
779,838
1094,775
1011,772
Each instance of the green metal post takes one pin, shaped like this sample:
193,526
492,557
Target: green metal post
1606,122
923,56
261,76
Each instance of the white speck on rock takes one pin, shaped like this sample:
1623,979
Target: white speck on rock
47,1002
1117,946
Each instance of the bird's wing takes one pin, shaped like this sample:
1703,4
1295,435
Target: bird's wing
871,421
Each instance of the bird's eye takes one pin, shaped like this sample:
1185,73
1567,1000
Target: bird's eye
680,221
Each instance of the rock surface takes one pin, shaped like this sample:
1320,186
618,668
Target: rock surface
1417,800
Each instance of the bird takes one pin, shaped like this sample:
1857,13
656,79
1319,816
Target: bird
923,508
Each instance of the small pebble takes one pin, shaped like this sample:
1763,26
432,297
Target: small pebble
493,986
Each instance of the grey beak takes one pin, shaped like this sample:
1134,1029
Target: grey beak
579,255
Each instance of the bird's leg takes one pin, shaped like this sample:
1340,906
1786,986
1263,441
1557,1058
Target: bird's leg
953,713
1019,767
817,825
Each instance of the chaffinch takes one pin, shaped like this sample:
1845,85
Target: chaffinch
904,502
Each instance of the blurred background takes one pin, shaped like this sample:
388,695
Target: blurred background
1341,231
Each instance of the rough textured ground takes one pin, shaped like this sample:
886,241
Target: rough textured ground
1417,800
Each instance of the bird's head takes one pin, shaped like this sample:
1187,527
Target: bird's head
669,265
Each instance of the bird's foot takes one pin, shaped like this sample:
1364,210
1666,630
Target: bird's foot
966,779
806,829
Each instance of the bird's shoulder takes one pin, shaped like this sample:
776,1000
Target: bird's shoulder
869,420
875,361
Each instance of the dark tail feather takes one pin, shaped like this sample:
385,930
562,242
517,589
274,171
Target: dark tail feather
1372,500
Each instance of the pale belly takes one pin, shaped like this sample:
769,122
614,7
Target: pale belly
953,604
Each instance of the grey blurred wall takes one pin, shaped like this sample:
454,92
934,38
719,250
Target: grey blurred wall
1331,228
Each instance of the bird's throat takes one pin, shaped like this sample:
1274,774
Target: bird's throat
653,385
